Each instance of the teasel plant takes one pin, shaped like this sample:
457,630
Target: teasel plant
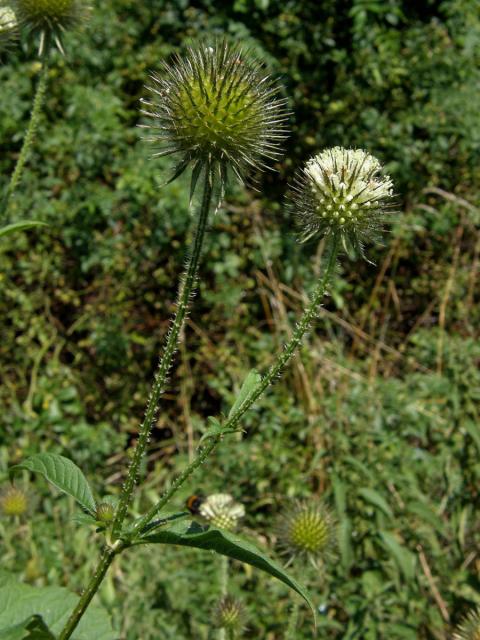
221,115
47,20
217,112
306,535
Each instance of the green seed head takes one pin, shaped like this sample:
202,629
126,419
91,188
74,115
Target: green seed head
13,501
469,627
342,192
306,530
51,18
105,512
222,511
216,106
229,614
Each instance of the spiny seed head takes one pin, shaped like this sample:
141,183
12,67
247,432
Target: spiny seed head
8,26
221,510
51,18
469,627
229,614
105,512
306,530
217,107
344,193
13,501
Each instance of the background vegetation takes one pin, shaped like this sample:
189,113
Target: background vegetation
380,414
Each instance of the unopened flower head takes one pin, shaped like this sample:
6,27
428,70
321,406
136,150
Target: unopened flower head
8,26
343,193
51,18
306,530
469,627
222,510
105,512
13,501
216,106
229,614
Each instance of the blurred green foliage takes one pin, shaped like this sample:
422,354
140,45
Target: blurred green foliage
380,416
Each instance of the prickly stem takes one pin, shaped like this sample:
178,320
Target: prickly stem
185,293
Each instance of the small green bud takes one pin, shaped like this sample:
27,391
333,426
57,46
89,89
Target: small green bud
51,18
216,107
105,512
469,627
306,530
342,192
229,614
221,510
13,501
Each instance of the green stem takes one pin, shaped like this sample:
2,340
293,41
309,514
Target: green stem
29,136
222,634
293,622
82,605
185,293
272,374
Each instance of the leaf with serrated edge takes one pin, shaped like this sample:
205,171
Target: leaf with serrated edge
19,601
63,473
191,534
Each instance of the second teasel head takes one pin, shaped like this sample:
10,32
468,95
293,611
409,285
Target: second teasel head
50,19
216,106
344,194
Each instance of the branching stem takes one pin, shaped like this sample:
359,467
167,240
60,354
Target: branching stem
269,378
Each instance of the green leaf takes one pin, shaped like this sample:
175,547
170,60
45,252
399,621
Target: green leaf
191,534
345,543
404,558
63,473
20,226
214,430
33,628
373,497
249,384
340,493
21,602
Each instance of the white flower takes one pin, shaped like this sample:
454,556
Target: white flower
221,510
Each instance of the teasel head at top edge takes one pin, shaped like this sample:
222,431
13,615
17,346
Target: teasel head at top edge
216,107
50,19
8,26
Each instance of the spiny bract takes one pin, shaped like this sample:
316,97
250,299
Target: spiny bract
469,627
8,26
342,192
51,18
306,530
216,106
